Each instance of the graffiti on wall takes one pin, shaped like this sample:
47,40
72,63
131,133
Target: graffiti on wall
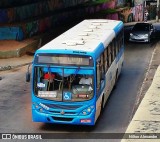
113,16
133,14
11,33
24,12
56,19
120,2
109,4
35,26
138,13
130,14
151,7
126,15
9,3
42,25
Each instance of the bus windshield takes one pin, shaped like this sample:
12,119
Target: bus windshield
63,84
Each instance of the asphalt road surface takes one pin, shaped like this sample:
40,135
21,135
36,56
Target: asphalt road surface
15,100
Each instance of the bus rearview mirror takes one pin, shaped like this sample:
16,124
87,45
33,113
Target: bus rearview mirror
28,76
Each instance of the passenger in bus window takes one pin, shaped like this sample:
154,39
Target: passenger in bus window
48,78
86,80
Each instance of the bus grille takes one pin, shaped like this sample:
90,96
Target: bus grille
66,113
62,119
67,107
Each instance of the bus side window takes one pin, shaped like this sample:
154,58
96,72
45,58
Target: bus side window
98,76
122,40
115,49
35,81
119,40
102,66
112,51
109,59
116,46
105,60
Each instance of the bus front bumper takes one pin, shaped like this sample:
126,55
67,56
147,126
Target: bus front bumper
62,119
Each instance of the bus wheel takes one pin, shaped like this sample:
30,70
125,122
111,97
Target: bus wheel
101,111
116,78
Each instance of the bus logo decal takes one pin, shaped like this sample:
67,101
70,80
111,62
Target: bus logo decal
62,112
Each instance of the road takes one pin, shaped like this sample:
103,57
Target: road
15,101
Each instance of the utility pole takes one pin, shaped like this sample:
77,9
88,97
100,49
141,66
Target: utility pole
157,16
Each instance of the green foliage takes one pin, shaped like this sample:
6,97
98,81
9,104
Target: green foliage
108,11
103,13
100,1
95,2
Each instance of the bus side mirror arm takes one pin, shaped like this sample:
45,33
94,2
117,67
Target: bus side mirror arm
28,75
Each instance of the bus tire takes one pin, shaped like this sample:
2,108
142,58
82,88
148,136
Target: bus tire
102,103
116,78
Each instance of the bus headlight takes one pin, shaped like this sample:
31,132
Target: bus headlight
36,106
41,110
87,111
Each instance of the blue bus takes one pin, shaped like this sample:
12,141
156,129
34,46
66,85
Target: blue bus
73,75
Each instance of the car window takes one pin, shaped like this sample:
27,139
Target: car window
141,27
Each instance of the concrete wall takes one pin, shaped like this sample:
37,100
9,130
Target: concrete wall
25,12
11,3
27,20
41,25
133,14
34,21
11,33
128,14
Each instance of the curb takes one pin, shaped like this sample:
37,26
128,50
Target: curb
146,120
147,117
5,68
20,51
133,23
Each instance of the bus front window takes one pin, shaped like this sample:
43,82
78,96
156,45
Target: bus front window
63,84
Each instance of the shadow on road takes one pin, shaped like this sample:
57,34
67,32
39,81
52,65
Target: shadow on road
66,128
